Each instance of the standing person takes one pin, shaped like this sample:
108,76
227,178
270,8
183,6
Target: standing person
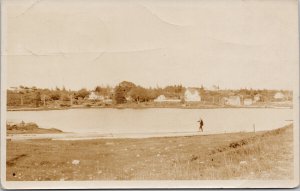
201,123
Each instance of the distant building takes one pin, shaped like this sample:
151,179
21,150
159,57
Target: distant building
108,101
13,88
162,98
95,96
248,101
279,96
233,100
191,95
20,89
257,98
128,98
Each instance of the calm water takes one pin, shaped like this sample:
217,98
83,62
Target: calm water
118,121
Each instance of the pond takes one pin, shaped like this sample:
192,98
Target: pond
155,120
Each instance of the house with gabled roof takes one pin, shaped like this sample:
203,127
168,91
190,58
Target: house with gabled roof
192,95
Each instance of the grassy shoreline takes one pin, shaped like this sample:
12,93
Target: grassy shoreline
260,155
28,128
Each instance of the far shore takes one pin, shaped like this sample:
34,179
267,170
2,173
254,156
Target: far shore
145,106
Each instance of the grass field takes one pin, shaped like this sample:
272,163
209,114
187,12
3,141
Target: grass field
260,155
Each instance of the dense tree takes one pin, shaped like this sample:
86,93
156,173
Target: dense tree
104,91
55,95
82,93
139,94
65,97
127,86
120,95
121,91
154,93
175,91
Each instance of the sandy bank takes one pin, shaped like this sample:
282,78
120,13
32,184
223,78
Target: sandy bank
89,136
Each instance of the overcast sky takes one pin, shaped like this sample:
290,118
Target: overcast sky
84,43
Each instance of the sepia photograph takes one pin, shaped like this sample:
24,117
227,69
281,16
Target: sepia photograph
149,94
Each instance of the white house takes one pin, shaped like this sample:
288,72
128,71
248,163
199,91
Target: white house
279,96
191,95
233,100
257,98
128,98
13,88
248,101
163,98
108,101
160,98
94,96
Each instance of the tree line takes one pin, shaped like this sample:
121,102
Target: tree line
122,93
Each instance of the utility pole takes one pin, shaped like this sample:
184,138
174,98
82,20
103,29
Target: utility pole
242,100
71,99
22,96
44,100
21,99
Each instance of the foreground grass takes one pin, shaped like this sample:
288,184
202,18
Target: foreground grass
261,155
